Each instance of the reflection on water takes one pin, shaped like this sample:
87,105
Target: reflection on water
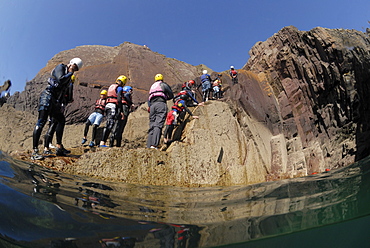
42,208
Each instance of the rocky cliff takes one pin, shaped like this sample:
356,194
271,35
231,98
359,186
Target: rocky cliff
299,108
102,65
319,80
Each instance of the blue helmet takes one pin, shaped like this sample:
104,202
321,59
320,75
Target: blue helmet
181,103
127,88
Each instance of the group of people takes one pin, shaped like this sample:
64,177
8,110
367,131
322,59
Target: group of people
116,104
212,89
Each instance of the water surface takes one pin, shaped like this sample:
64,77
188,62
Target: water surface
43,208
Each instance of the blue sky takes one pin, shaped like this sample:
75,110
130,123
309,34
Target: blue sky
217,33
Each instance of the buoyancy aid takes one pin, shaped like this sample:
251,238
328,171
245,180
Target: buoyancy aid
233,73
156,90
112,93
100,104
216,82
182,95
205,77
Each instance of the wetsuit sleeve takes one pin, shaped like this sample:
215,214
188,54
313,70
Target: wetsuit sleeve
188,110
192,98
128,98
69,94
119,99
167,90
60,75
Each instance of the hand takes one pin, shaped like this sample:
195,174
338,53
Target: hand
195,117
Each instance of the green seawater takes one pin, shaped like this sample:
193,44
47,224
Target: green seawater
43,208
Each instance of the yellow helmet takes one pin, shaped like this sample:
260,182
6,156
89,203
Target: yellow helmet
103,92
158,77
122,79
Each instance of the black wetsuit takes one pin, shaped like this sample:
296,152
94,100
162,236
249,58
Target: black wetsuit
51,100
121,121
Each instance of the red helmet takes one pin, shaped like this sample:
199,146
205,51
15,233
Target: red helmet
191,82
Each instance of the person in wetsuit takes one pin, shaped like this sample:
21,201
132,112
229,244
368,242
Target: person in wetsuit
95,118
53,123
121,121
159,93
113,109
50,104
206,85
178,110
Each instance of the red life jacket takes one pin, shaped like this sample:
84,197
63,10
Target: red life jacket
170,118
112,93
100,104
182,95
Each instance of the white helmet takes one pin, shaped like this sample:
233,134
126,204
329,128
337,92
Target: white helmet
76,61
232,67
205,71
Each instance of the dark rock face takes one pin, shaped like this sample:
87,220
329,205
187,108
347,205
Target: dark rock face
320,80
102,65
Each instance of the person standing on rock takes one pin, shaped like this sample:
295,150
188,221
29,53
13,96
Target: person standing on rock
95,118
50,104
66,99
121,121
206,85
217,84
113,108
159,93
233,74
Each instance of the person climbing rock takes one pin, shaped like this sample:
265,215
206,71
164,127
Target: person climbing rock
189,86
5,92
119,127
113,108
187,96
95,118
50,104
172,119
233,74
206,85
159,93
217,86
